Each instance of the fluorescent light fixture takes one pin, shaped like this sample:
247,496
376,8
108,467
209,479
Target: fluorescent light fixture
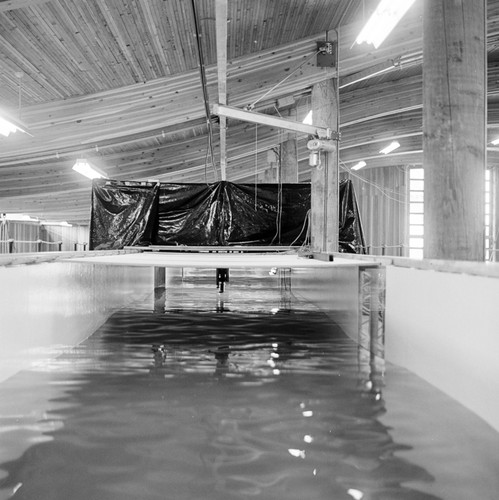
7,128
308,119
391,147
386,16
495,142
83,167
359,165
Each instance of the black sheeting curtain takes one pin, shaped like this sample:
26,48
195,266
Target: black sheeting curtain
128,213
134,213
351,237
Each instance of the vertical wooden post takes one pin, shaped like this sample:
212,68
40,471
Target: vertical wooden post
221,33
271,172
454,128
289,154
159,277
325,182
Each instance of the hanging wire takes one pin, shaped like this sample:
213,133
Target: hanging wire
279,190
383,191
20,76
204,85
251,106
256,165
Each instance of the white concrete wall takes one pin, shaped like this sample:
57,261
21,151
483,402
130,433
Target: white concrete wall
444,327
46,306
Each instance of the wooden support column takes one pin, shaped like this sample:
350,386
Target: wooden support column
289,154
159,277
159,289
454,128
325,191
272,170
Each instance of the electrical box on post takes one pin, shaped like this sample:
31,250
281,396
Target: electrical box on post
326,57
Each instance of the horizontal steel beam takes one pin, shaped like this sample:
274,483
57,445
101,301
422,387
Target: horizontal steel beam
262,119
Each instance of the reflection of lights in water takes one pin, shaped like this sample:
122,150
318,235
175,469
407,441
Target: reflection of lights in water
274,310
307,413
357,494
314,472
308,439
378,397
275,345
271,363
274,354
276,371
296,453
369,385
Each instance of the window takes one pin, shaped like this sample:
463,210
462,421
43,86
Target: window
489,240
416,213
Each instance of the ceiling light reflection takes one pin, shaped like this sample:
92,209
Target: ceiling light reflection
357,494
296,453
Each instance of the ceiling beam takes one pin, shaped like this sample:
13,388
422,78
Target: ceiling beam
19,4
272,121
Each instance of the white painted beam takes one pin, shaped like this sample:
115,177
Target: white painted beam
272,121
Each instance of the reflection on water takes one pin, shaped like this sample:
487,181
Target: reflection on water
211,406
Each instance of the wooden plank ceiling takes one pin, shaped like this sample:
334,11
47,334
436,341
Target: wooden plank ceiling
118,82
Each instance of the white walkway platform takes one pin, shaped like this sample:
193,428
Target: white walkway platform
220,260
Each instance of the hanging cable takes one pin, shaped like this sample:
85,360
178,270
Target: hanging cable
256,165
202,72
251,106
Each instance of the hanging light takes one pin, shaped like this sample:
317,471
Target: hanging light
359,165
391,147
386,16
83,167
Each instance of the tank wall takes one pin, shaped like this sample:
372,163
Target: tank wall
51,305
444,327
333,290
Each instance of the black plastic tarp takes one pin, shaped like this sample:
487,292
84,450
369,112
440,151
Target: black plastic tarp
123,214
223,213
228,214
351,237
